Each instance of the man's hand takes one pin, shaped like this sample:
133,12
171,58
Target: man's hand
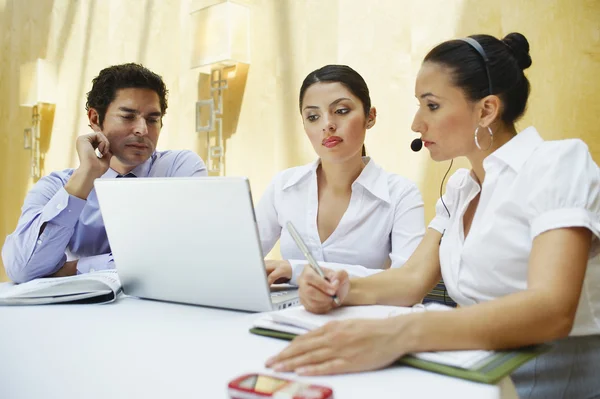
278,271
68,269
90,166
88,160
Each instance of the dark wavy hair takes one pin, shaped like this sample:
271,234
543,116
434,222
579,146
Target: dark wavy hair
124,76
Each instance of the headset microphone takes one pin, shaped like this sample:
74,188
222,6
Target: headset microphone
416,145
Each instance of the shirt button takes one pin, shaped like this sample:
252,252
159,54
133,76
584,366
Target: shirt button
39,242
59,206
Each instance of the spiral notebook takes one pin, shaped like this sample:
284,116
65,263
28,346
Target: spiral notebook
475,365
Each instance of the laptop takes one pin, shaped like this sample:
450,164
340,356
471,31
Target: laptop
189,240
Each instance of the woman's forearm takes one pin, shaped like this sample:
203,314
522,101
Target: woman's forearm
391,287
403,286
545,311
516,320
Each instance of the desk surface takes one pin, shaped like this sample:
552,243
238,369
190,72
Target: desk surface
144,349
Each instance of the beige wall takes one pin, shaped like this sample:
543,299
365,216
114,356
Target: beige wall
383,39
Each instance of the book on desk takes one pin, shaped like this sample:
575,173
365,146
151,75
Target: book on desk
96,287
475,365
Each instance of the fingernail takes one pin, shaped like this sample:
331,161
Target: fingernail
332,291
278,367
301,370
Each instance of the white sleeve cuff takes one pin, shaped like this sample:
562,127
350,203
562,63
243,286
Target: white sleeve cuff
297,268
568,217
565,217
439,223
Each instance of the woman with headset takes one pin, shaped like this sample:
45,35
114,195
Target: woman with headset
515,239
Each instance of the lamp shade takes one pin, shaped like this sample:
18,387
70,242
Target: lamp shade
37,83
220,35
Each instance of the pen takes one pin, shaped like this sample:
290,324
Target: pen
311,261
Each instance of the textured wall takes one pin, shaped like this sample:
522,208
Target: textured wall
384,40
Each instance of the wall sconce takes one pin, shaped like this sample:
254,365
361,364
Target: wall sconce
37,87
221,41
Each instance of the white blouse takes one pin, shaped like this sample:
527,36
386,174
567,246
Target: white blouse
384,221
530,186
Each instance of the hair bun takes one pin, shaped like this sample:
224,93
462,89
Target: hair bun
519,46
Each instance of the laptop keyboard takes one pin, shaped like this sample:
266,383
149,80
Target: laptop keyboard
284,296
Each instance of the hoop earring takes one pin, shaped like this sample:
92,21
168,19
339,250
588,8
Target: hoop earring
491,138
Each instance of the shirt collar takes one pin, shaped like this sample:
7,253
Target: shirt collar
142,170
301,172
518,150
373,178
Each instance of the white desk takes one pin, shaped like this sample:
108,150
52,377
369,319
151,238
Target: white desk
143,349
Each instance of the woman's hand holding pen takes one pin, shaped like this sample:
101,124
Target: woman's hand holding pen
316,292
343,346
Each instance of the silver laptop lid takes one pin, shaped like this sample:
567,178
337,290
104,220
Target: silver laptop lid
190,240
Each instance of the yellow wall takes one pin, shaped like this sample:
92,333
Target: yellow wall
384,40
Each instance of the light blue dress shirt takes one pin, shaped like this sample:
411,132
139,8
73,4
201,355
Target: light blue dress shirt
74,228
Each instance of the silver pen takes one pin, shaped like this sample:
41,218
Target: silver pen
304,249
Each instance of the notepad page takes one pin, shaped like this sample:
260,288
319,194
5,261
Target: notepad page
108,277
299,317
463,359
268,323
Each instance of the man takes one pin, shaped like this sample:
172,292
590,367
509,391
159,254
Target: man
61,215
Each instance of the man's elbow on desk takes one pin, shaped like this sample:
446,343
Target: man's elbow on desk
12,264
19,270
18,274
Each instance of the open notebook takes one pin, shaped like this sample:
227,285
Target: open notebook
97,287
475,365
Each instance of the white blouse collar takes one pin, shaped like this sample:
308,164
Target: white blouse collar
373,178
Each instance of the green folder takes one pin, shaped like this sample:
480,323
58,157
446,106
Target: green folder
488,371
